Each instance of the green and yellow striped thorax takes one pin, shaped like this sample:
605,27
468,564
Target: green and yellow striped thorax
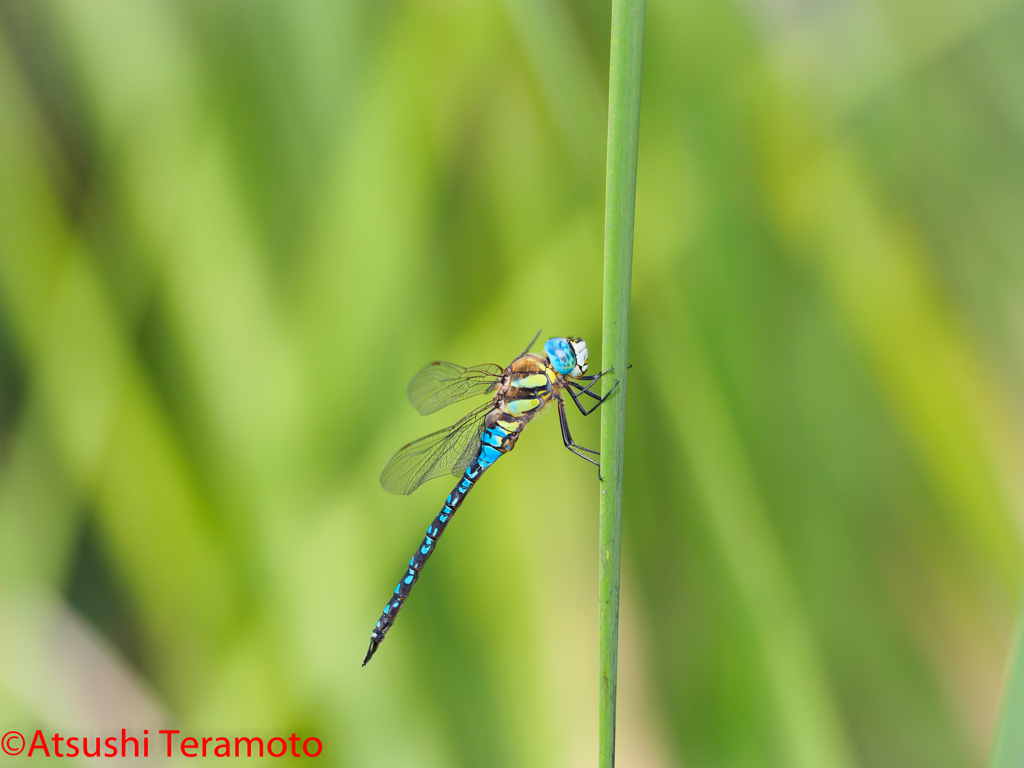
526,388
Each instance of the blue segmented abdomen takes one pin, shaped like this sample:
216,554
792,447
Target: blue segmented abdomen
494,441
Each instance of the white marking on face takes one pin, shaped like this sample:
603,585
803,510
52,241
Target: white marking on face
579,348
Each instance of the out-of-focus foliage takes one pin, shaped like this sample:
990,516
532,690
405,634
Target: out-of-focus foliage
230,232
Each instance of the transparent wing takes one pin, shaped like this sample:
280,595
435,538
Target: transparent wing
441,384
448,451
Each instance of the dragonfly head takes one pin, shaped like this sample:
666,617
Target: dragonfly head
568,356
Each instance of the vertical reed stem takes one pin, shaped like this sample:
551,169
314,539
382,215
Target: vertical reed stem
627,53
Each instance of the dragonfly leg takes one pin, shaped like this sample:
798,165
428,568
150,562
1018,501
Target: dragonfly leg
592,379
571,445
580,390
596,376
587,391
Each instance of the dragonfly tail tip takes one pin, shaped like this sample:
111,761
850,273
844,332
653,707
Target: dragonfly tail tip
370,651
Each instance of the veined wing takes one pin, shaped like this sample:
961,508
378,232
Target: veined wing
448,451
441,384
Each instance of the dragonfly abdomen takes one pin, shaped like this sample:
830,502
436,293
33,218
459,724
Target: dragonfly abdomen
494,442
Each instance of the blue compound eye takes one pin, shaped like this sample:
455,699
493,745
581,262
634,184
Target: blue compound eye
560,353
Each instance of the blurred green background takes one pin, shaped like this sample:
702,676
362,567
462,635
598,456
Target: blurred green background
230,233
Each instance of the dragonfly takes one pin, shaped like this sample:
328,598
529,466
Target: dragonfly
520,392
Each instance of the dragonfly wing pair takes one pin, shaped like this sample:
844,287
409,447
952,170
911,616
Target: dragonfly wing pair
448,451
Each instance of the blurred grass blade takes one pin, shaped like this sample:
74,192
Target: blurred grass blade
1008,746
627,53
807,714
557,57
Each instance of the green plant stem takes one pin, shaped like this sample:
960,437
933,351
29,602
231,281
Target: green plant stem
627,53
1008,745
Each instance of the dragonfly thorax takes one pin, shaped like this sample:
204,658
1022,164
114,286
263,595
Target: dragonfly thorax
526,387
532,382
